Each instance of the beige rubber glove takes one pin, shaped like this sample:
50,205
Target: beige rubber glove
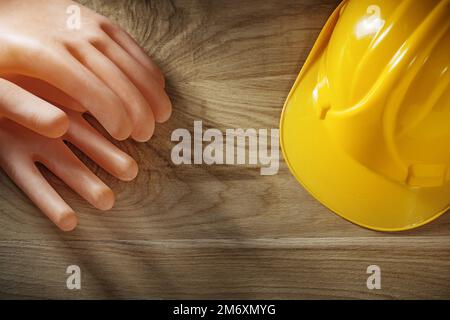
99,66
21,148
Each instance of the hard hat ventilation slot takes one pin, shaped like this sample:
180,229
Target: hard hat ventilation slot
424,175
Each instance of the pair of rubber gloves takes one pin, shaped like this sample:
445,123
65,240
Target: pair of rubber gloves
49,76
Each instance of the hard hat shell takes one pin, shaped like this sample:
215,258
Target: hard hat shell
366,127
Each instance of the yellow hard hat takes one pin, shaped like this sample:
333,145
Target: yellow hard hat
366,127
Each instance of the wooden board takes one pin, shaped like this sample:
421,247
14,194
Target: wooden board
215,231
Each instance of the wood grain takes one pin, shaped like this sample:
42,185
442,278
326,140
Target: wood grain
241,269
215,231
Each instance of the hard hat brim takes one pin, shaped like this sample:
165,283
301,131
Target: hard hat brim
341,183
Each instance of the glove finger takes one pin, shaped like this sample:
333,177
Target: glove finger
59,159
30,111
135,103
29,179
99,149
